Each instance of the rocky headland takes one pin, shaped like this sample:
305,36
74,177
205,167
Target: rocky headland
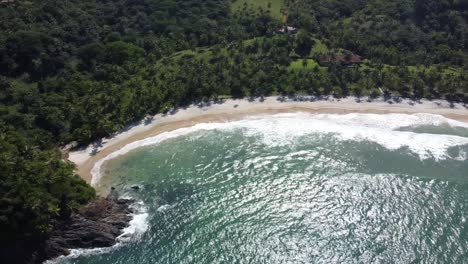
96,225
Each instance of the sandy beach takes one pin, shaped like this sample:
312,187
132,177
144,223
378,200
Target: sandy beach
231,110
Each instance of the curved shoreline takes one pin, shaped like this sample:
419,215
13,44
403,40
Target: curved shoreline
233,110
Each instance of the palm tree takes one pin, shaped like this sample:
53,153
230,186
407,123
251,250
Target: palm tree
367,71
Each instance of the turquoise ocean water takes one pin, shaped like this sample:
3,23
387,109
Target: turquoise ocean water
296,188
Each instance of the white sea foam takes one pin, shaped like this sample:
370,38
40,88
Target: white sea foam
462,156
283,129
137,227
380,129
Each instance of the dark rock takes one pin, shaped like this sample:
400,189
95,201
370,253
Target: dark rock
135,187
96,225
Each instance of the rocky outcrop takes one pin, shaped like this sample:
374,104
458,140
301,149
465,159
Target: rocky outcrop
96,225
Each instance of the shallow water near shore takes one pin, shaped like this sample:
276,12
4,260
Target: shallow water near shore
298,188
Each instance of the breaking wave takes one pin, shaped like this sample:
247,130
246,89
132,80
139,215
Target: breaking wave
137,227
283,129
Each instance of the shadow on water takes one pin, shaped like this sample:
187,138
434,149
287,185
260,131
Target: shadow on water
375,159
444,129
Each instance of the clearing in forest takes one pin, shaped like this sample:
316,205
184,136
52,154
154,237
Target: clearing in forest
274,5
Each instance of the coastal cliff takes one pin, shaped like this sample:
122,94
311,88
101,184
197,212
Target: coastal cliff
96,225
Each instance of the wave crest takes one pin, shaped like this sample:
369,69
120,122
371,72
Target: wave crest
283,129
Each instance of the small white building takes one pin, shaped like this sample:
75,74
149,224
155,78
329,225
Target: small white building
287,30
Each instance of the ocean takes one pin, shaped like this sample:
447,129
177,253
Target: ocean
294,188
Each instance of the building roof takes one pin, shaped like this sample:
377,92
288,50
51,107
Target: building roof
287,29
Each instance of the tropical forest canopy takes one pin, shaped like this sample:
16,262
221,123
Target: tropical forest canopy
80,70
